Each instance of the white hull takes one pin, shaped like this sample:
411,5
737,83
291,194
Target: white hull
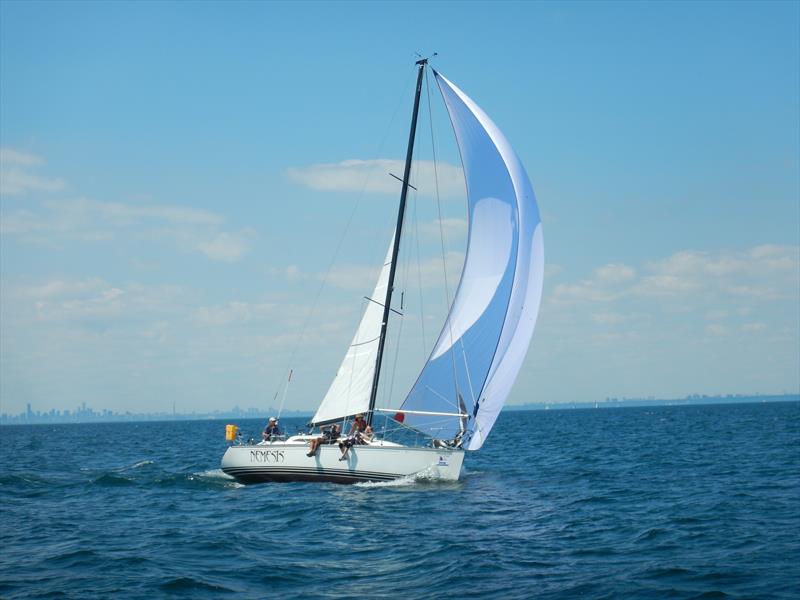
381,461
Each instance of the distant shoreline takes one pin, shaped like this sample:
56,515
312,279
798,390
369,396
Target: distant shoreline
107,417
644,402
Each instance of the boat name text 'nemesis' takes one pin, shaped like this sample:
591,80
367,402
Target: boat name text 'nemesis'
266,456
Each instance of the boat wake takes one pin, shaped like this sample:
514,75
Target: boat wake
406,481
215,476
424,477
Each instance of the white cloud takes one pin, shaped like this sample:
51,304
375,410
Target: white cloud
609,318
357,277
233,312
16,177
552,269
191,229
127,214
771,258
762,273
91,299
614,273
454,229
697,293
765,272
87,220
59,289
357,175
225,247
353,277
17,158
716,329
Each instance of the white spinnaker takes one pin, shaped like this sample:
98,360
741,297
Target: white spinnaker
488,330
526,292
350,390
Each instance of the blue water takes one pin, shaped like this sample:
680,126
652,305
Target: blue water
673,502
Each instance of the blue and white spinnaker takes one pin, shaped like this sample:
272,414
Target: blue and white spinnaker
483,343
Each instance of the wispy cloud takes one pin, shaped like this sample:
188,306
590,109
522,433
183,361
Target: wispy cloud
191,229
90,300
454,229
614,273
234,312
372,176
57,221
429,273
763,272
17,176
90,337
225,246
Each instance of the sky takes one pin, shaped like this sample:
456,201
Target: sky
194,196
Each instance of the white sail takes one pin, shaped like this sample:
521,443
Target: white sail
350,390
486,335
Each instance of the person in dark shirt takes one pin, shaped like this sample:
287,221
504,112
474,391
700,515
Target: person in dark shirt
330,433
271,430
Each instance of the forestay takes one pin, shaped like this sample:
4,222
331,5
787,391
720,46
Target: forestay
480,350
350,390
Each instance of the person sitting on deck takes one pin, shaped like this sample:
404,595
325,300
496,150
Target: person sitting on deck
271,430
360,433
359,426
330,434
365,438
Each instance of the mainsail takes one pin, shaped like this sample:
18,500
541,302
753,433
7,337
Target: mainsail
481,348
349,392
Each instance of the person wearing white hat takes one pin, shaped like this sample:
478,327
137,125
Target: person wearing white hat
271,430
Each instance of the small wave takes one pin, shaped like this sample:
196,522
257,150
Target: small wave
187,583
138,465
465,472
22,480
112,479
211,478
653,533
74,558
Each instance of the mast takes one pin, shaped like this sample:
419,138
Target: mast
398,229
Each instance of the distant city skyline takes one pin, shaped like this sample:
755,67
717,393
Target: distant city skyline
178,179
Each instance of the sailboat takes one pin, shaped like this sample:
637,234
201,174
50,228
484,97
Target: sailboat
462,387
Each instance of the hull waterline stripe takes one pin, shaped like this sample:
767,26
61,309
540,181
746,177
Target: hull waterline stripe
252,475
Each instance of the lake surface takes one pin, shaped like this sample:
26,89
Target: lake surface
668,502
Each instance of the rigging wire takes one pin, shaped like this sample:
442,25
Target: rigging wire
442,239
323,283
406,257
419,278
